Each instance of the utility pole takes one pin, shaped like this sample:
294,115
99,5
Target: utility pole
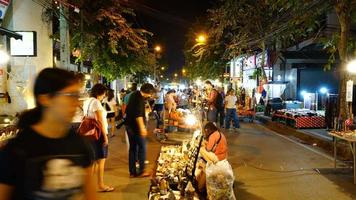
64,37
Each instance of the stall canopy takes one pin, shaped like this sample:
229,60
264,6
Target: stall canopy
8,33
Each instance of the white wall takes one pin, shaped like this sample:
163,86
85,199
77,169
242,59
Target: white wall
26,16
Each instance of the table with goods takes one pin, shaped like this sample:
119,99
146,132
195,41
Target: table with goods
299,118
348,136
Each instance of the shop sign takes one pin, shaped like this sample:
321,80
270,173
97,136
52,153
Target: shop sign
349,90
3,7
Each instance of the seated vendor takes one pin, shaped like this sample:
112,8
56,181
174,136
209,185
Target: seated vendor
214,149
215,141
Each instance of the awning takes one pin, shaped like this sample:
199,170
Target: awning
8,33
298,57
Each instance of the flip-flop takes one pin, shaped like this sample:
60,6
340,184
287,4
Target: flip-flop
107,189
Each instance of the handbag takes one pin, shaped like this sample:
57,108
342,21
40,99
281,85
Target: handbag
90,127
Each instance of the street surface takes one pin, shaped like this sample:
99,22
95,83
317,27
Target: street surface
266,166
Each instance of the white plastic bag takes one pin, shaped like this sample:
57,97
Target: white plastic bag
219,181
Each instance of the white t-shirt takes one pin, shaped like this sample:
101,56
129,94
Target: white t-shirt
95,105
111,104
230,101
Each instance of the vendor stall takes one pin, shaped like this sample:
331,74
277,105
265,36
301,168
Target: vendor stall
350,138
299,118
173,176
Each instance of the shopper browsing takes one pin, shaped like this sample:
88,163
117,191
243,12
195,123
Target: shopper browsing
47,160
136,129
94,109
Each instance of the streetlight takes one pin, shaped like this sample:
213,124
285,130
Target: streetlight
162,68
323,90
158,48
201,39
161,76
176,75
183,71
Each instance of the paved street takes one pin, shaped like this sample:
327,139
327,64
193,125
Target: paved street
266,166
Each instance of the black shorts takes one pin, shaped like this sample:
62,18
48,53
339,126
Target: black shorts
110,115
100,151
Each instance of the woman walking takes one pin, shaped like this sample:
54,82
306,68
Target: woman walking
47,160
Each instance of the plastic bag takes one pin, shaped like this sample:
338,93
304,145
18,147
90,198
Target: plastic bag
219,181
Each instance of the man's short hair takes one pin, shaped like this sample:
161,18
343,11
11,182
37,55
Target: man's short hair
208,82
148,88
133,87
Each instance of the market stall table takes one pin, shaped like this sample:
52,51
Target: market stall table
351,140
299,118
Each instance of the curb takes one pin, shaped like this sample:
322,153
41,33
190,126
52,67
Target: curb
323,143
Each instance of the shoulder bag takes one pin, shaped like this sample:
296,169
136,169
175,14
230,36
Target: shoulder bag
90,127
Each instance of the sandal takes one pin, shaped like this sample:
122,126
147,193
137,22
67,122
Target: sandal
107,189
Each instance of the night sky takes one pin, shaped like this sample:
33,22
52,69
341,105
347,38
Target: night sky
169,21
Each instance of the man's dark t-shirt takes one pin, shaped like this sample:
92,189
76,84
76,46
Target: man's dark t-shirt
135,109
44,168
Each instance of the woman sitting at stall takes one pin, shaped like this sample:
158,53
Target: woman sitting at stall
214,149
215,143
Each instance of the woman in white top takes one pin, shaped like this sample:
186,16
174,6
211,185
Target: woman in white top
170,102
230,106
111,108
93,109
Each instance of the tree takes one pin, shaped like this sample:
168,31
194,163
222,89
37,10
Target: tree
245,26
205,60
107,39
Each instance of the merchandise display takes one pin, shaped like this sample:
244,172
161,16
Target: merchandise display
349,134
7,133
174,172
300,118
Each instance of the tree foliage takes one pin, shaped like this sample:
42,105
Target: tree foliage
107,38
243,26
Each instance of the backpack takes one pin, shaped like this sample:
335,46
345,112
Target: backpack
219,103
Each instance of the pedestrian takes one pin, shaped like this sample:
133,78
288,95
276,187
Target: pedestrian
220,106
94,109
231,112
158,107
136,129
47,160
111,108
212,95
170,102
127,97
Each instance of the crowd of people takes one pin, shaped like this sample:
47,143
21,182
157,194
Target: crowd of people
63,141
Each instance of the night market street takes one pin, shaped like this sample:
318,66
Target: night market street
256,146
